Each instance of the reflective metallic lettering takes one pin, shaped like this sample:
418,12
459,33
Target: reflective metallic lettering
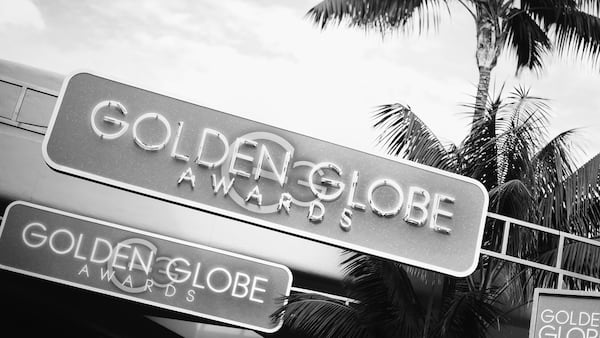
316,218
395,210
236,154
280,176
220,137
144,145
124,125
346,220
217,185
421,206
285,202
256,195
436,211
326,181
187,176
174,153
353,185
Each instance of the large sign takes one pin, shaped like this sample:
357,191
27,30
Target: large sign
159,146
565,314
142,267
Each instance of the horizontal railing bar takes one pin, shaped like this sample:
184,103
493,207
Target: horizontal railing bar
343,299
590,241
540,266
520,261
35,87
523,223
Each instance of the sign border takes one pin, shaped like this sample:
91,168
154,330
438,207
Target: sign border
253,220
153,235
560,292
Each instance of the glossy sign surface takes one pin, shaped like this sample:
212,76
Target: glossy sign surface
565,313
180,152
142,267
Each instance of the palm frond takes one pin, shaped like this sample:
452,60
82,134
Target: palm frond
589,6
527,39
546,12
521,130
513,199
468,312
406,135
387,300
577,257
553,163
582,199
561,146
581,258
516,284
579,33
313,315
382,15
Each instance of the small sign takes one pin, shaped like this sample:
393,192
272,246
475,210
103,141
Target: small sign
565,314
180,152
139,266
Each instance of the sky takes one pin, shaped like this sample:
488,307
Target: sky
264,60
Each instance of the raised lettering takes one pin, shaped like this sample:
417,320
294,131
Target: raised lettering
436,211
313,216
377,210
187,176
42,237
235,154
220,137
174,153
326,181
280,176
124,125
144,145
421,206
346,220
186,273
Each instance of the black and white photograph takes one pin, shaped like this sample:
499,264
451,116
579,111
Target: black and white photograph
300,168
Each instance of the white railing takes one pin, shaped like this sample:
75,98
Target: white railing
557,268
24,87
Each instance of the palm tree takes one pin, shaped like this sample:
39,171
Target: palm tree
530,28
528,177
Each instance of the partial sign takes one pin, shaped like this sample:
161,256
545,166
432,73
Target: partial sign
180,152
565,314
142,267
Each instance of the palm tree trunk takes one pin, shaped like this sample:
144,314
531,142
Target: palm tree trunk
489,43
483,87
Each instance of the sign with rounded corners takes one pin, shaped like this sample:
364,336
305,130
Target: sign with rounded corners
180,152
142,267
565,314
